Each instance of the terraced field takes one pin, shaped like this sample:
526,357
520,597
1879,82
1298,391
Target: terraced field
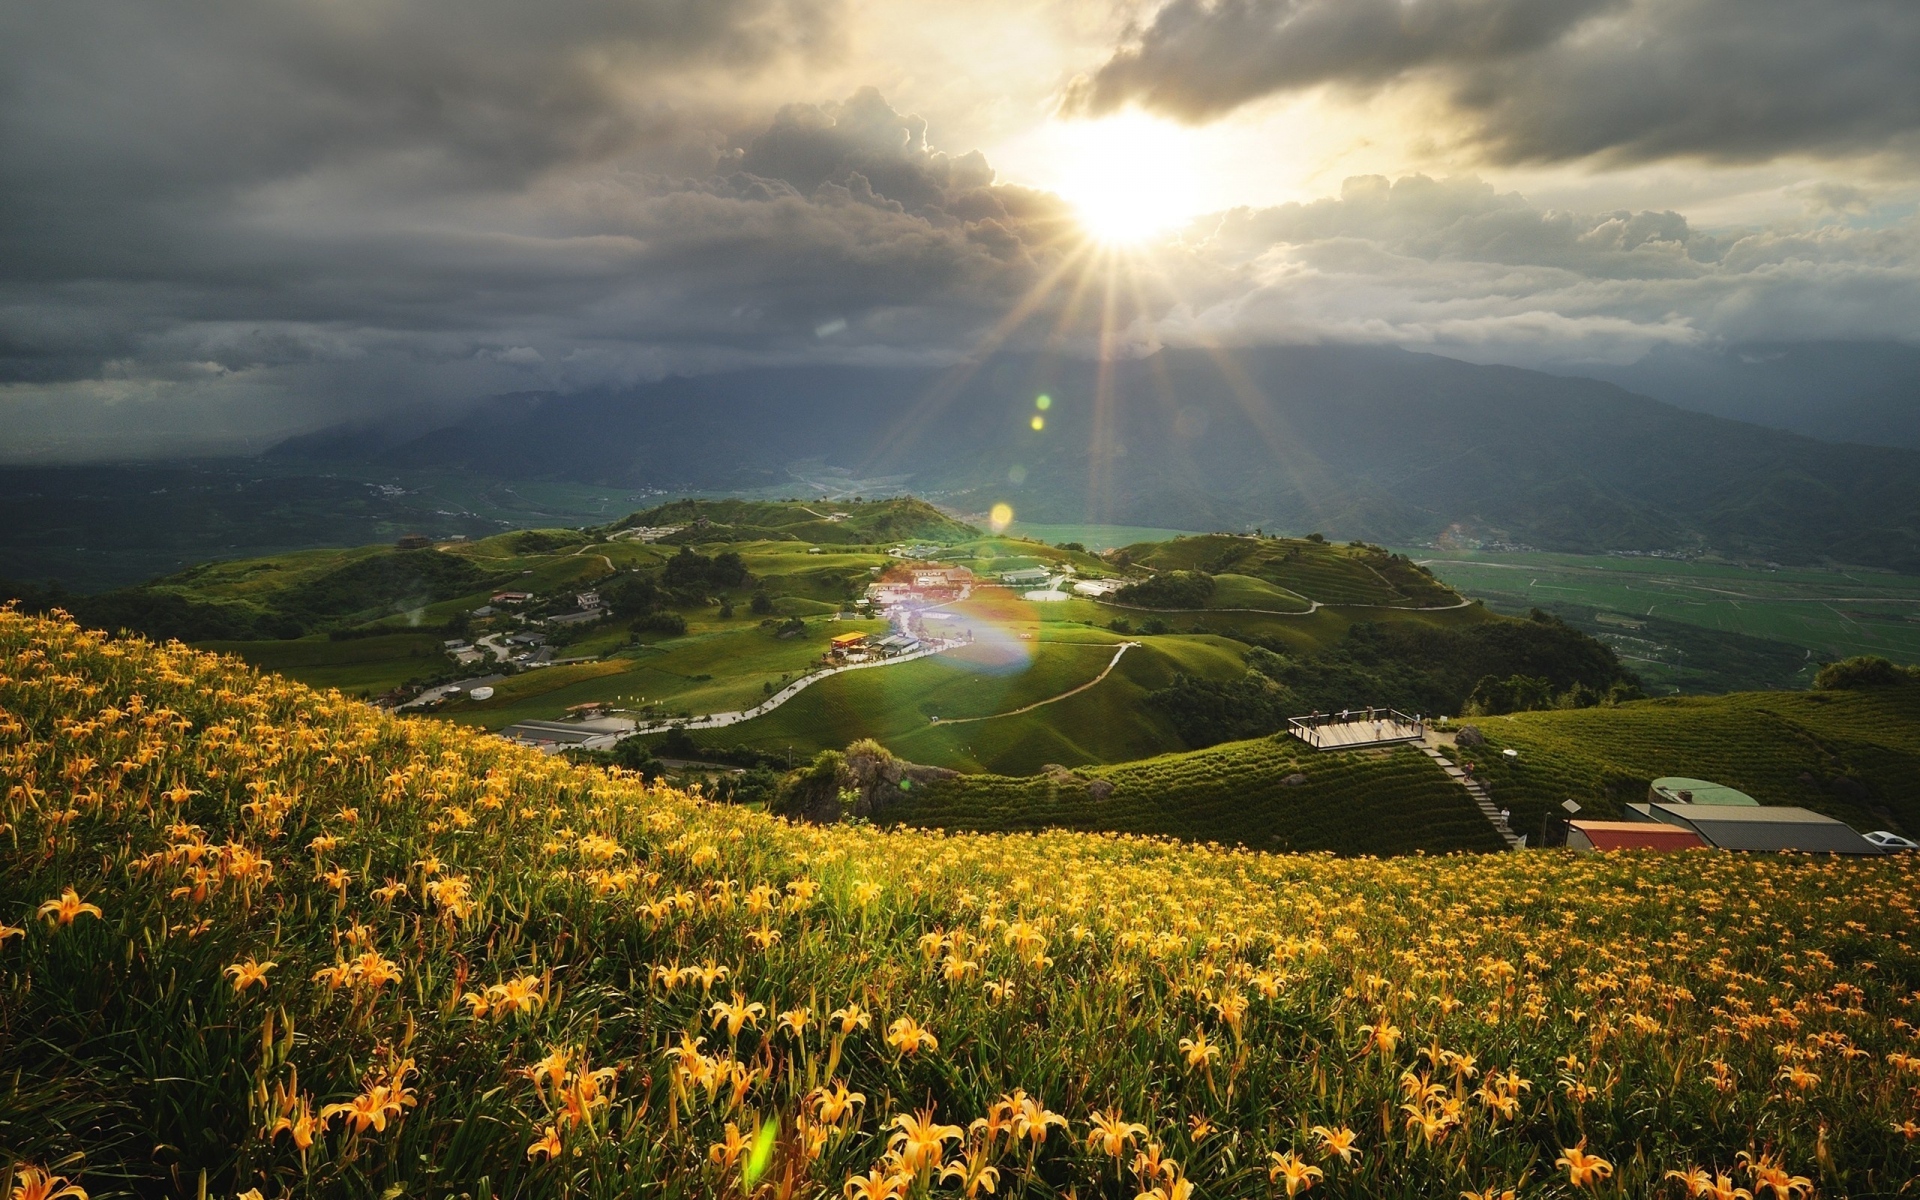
1364,802
1852,754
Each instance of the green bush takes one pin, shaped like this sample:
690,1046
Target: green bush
1863,672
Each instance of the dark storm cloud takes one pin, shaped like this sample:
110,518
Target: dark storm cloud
1545,80
296,212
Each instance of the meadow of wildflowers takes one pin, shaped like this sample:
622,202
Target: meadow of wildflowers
256,939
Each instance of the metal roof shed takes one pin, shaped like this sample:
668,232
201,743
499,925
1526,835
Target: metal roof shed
1764,828
1631,835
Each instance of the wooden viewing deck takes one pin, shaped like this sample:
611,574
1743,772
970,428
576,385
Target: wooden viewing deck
1385,727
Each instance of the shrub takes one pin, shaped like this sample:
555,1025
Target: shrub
1862,672
1169,589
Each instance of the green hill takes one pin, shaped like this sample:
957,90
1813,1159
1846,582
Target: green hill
1267,794
838,522
1304,568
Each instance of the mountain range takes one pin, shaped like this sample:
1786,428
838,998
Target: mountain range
1866,392
1355,442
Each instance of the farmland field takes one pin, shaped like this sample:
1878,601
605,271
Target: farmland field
1827,614
264,938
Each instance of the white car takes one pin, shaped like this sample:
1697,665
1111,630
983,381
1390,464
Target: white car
1892,843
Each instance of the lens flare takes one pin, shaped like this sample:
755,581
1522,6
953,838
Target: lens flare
1000,517
1039,422
1043,402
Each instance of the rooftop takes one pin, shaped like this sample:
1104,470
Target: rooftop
1633,835
1678,789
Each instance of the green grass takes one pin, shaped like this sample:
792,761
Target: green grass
1363,802
1245,591
1854,755
359,665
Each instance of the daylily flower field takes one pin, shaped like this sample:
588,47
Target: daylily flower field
260,939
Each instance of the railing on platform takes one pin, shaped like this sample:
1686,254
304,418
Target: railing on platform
1320,730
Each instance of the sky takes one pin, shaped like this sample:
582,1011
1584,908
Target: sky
222,222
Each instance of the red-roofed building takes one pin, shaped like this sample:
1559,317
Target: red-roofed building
1591,836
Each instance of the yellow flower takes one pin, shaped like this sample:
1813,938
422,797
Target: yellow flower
246,974
836,1105
850,1018
919,1143
724,1154
877,1185
1337,1142
908,1037
68,907
547,1146
1583,1169
1292,1172
33,1183
737,1015
1199,1051
794,1021
1110,1134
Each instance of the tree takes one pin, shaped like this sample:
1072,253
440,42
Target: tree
761,604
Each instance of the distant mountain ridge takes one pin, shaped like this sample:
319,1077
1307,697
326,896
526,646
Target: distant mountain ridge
1865,392
1356,442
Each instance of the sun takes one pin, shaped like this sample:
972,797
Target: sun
1129,177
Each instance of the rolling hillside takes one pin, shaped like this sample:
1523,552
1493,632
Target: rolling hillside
257,937
1356,574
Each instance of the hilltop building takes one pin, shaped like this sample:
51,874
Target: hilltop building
1025,577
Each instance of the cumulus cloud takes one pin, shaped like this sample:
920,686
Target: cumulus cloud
1551,80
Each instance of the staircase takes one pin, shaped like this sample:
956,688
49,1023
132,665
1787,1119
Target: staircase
1481,800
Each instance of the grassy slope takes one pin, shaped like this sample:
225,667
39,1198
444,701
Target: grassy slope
894,704
1371,802
1759,742
135,1063
1329,573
